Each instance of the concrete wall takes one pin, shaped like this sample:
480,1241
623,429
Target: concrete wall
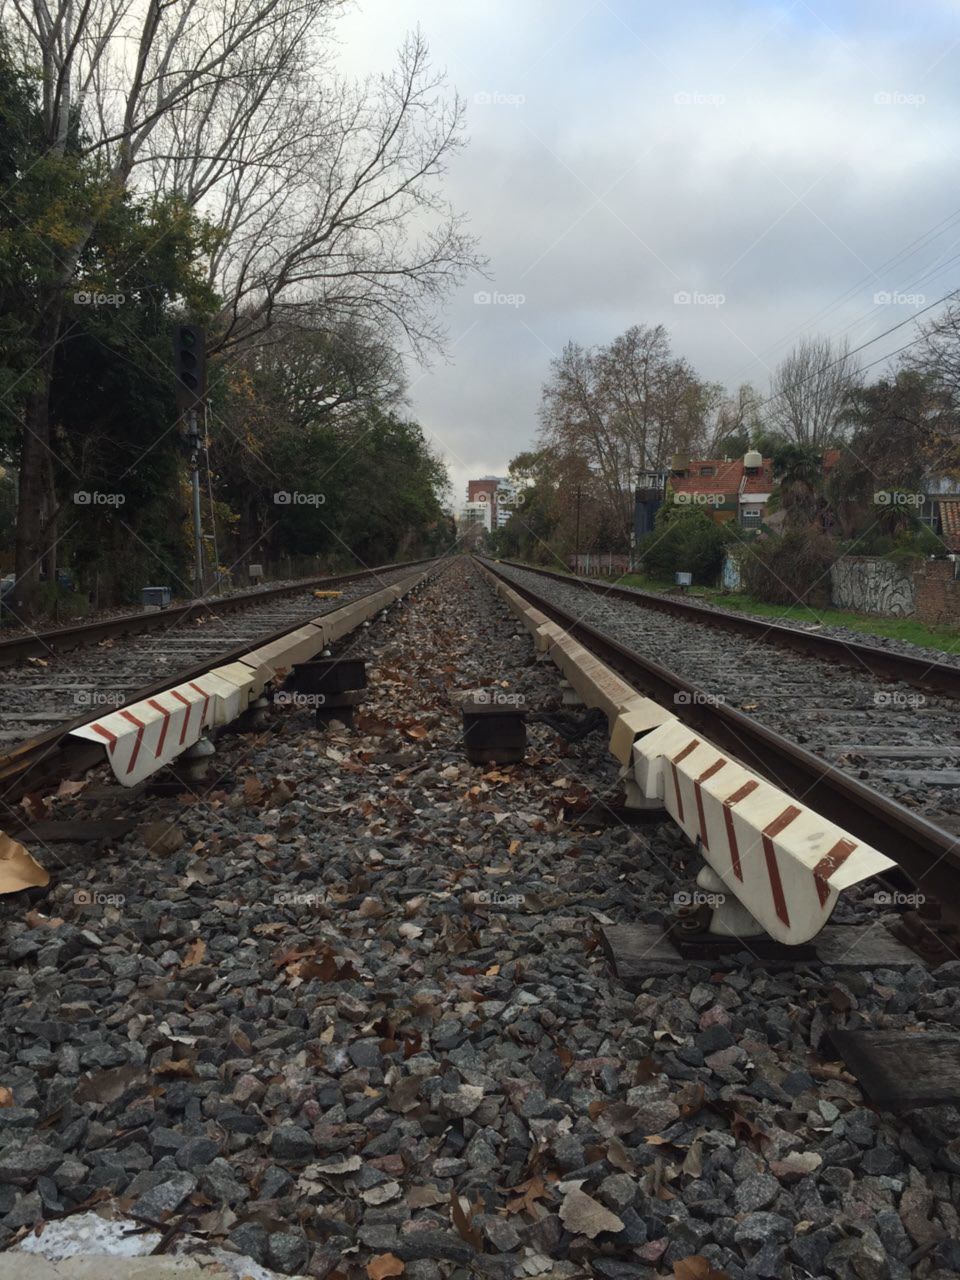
868,584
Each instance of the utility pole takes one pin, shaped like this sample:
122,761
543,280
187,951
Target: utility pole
576,549
190,371
193,440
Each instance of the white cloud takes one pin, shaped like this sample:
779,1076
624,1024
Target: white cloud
697,194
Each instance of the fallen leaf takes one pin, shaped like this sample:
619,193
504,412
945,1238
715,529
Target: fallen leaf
533,1190
110,1086
697,1268
347,1164
424,1197
464,1223
404,1097
418,732
383,1265
252,790
381,1193
71,787
175,1067
585,1216
619,1157
693,1163
6,1096
690,1099
161,837
18,869
37,920
195,953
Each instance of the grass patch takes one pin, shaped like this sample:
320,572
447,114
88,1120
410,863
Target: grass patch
945,639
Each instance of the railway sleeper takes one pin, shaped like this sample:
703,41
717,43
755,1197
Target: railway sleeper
773,865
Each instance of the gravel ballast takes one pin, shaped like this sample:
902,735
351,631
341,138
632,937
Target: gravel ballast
356,1021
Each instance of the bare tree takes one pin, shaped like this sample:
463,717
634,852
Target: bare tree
734,417
809,391
323,193
938,355
623,408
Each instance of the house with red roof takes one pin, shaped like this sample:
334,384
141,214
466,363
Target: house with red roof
728,490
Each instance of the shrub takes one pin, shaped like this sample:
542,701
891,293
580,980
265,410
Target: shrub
683,540
790,567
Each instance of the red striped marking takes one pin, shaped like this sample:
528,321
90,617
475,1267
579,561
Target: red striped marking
691,746
186,719
698,792
740,794
166,723
828,864
105,733
206,701
128,715
773,871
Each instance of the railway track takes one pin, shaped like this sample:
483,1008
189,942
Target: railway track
868,753
422,932
90,671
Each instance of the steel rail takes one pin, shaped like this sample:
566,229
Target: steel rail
922,673
39,644
929,855
40,762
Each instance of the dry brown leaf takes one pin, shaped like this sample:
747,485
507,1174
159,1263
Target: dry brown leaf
463,1222
697,1268
619,1157
383,1265
161,837
71,787
417,732
690,1099
252,790
18,869
111,1085
175,1067
196,952
583,1215
6,1096
37,920
533,1190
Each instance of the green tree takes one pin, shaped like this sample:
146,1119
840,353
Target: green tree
686,540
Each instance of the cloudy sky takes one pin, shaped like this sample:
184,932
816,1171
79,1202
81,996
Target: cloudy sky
784,166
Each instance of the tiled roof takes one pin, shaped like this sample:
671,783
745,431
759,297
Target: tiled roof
949,510
726,477
762,483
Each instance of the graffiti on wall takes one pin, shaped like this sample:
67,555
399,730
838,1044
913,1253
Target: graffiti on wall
870,585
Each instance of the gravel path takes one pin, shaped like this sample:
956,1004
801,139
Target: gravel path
345,1013
43,692
902,742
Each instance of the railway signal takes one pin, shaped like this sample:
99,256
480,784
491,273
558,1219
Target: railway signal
190,366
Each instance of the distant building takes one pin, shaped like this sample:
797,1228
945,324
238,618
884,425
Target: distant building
491,501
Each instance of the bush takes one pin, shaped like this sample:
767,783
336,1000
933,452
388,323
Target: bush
791,567
683,540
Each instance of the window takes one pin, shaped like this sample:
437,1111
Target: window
750,519
708,471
